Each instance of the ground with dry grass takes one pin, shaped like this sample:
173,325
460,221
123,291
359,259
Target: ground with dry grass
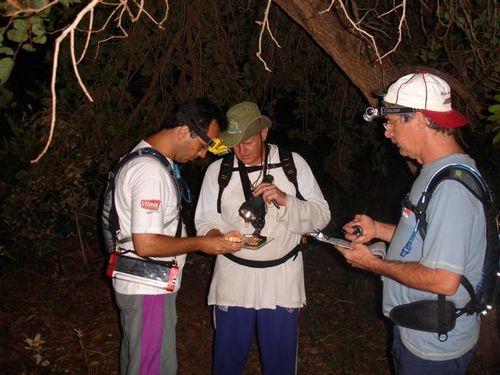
59,318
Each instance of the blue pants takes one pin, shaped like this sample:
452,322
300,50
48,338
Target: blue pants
407,363
277,337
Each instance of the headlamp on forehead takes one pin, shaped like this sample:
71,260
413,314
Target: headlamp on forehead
371,113
215,145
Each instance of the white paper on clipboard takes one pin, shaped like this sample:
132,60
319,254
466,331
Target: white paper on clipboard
378,249
331,240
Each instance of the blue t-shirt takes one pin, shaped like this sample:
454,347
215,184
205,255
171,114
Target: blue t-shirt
455,242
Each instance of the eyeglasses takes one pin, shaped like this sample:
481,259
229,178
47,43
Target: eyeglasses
388,125
200,140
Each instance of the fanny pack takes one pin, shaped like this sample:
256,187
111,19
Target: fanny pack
143,271
436,316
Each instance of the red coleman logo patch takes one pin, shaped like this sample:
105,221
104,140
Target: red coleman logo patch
150,204
406,212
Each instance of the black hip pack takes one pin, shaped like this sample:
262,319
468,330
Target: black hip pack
427,315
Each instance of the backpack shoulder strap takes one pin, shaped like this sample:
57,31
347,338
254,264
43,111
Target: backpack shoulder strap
227,168
225,173
290,169
111,222
467,176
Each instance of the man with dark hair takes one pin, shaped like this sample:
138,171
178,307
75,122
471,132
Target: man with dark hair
147,204
422,265
262,289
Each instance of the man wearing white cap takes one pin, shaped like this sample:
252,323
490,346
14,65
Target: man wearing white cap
421,122
262,288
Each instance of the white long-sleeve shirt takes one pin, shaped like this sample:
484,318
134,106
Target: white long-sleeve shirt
283,285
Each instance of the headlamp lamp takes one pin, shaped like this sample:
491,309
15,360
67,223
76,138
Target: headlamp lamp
215,145
371,113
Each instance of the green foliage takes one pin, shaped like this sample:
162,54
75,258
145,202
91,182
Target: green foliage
28,27
6,65
494,118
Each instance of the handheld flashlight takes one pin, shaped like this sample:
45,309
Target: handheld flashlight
269,179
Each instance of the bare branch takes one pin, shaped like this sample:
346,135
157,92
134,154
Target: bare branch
332,2
70,28
167,9
121,9
356,26
400,28
75,65
265,26
89,35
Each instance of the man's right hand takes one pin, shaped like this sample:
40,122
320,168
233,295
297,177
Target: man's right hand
367,226
222,243
370,229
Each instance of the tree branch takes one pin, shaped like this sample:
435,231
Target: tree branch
122,7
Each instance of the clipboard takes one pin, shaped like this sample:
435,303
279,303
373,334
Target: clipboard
378,249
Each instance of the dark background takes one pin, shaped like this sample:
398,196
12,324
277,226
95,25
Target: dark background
50,256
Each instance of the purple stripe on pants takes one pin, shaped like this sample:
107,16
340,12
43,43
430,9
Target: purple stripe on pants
151,335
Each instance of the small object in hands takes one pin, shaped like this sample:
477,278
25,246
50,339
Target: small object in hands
255,241
269,179
357,230
233,239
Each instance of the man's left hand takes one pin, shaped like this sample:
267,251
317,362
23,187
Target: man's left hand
271,194
358,256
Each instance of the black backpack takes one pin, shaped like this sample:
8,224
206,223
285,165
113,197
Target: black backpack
286,162
109,217
483,296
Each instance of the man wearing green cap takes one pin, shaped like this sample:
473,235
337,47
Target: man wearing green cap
263,287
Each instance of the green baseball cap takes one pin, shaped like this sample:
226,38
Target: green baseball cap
244,120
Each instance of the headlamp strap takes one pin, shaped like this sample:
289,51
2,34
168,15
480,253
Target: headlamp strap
193,125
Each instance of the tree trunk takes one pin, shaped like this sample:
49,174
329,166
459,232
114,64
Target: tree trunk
352,54
355,55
